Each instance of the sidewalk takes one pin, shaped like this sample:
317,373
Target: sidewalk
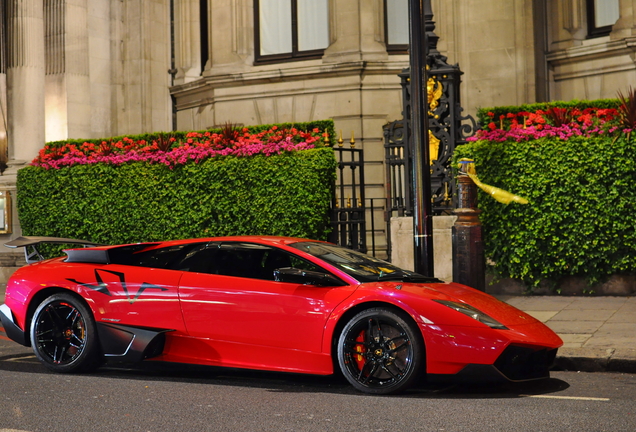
599,333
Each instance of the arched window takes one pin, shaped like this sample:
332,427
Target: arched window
291,29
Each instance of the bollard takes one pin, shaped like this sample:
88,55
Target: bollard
469,267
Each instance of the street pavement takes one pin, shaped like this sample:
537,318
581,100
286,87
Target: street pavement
599,333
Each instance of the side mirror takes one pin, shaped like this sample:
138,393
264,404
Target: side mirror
305,277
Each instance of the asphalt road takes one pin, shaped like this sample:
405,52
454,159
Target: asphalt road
177,398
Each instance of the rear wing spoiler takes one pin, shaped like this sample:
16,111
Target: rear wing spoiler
30,245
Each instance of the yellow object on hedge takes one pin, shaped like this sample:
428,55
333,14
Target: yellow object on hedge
500,195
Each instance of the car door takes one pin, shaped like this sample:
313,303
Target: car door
138,290
238,301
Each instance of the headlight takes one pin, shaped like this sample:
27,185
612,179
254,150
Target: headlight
474,313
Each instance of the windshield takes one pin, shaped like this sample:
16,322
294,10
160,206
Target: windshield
361,266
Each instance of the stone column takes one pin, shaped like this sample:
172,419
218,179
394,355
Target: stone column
25,78
68,87
357,31
625,27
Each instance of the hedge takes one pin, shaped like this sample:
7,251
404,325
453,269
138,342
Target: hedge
580,220
287,194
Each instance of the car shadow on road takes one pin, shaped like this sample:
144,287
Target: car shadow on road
24,362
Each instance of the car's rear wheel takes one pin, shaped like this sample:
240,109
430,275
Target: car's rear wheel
63,334
380,351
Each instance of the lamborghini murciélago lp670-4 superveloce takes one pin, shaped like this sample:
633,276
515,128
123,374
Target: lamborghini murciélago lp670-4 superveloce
266,303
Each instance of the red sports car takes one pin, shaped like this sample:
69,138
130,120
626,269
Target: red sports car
268,303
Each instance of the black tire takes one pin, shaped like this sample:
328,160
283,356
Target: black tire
63,335
380,351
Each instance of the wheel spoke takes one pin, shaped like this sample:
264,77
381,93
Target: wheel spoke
57,355
394,376
380,334
57,322
372,372
405,344
43,332
80,341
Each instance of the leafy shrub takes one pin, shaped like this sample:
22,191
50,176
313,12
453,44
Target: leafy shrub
286,194
580,220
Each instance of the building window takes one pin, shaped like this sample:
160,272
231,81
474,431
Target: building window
601,16
204,28
291,29
396,26
3,37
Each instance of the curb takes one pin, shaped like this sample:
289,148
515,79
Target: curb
594,364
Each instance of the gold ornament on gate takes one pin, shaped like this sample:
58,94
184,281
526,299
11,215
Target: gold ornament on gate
434,91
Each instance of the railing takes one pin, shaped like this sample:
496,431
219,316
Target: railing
348,211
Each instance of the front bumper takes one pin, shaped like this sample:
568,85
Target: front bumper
12,330
515,364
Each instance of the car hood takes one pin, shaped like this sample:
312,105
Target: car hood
421,293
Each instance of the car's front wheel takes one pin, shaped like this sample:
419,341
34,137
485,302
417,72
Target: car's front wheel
380,351
63,334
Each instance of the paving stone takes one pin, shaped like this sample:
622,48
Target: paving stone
625,353
545,303
587,315
575,338
613,335
591,303
623,317
630,305
599,353
542,316
575,327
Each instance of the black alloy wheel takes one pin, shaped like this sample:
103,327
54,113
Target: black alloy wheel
380,351
63,334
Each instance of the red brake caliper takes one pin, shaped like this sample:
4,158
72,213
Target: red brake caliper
361,349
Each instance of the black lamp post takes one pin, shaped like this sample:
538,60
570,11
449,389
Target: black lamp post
422,211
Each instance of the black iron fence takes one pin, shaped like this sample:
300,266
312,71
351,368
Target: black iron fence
348,209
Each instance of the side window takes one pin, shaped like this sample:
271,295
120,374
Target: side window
276,258
249,260
166,258
199,259
246,260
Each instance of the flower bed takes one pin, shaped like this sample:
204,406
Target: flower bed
555,122
170,151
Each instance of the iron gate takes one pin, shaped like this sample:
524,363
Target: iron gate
348,209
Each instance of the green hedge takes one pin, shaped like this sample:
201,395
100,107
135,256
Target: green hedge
287,194
581,218
484,119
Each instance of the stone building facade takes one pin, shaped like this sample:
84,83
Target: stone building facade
100,68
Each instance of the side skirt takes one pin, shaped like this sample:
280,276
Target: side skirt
128,344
